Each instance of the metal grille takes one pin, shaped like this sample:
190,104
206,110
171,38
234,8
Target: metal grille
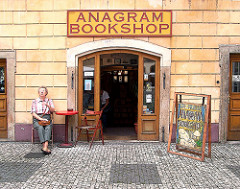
235,170
34,155
134,173
17,171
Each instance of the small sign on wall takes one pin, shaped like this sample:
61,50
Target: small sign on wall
88,74
87,84
145,77
148,98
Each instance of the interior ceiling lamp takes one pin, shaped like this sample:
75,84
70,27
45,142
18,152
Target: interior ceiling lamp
120,72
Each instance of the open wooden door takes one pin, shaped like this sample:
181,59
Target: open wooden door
148,97
88,88
3,100
234,99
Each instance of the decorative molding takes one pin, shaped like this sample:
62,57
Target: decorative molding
111,44
163,53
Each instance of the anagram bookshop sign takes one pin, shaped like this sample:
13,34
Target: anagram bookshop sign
86,23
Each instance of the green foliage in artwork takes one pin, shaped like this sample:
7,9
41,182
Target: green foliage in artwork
178,141
199,143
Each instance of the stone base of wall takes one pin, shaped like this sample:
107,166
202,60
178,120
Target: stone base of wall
23,133
214,133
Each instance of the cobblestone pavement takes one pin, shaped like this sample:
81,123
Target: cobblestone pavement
117,164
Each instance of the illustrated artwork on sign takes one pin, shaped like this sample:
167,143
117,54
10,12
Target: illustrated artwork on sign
193,125
190,125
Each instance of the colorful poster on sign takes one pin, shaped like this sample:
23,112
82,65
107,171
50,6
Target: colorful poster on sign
190,125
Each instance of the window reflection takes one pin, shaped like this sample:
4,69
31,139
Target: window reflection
149,86
236,77
88,84
2,80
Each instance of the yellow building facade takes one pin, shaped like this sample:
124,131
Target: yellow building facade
37,50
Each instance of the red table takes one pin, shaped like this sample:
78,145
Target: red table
67,114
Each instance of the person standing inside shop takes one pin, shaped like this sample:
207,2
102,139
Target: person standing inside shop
105,107
43,105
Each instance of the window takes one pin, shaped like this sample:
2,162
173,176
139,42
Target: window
235,76
149,86
88,84
2,79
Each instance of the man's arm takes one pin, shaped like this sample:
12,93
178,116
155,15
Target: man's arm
107,102
37,116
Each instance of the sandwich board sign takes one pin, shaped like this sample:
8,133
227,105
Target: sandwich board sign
193,121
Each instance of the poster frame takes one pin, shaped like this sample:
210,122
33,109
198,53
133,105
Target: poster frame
207,128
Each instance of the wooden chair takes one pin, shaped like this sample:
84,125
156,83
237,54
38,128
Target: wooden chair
34,129
86,126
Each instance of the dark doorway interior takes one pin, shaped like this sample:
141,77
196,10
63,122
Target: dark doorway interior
120,80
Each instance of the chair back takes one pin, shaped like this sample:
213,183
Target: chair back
90,112
96,127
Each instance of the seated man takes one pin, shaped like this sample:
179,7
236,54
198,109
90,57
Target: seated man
105,107
42,107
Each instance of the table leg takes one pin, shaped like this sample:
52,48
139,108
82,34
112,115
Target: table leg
66,129
66,144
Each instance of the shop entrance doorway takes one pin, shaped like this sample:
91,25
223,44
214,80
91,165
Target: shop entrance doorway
234,99
132,80
119,78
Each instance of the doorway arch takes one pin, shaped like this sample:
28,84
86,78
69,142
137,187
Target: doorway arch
164,55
